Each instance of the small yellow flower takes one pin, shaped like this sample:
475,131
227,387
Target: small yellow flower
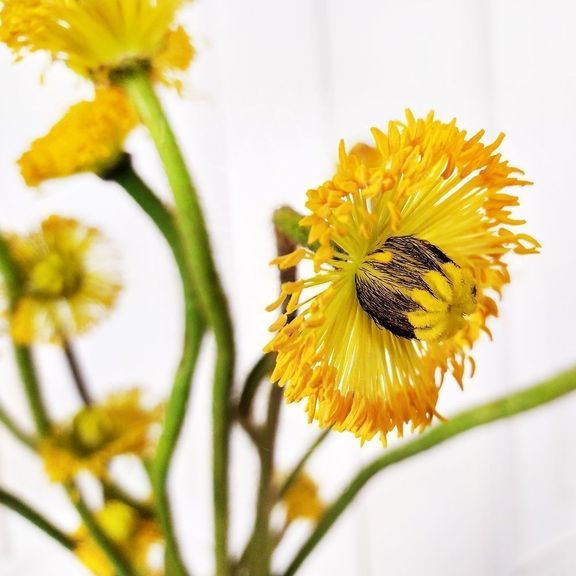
134,536
99,433
97,38
89,138
302,501
68,281
412,235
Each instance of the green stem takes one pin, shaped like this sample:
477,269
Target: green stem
256,376
15,429
301,463
126,177
21,508
121,565
76,371
505,407
22,354
260,547
194,235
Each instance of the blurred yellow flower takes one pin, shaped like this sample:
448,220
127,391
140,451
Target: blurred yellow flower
99,433
69,281
89,138
133,535
412,233
301,501
97,38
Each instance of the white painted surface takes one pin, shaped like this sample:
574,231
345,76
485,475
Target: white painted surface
275,85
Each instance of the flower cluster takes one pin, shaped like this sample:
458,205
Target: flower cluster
132,534
97,434
68,281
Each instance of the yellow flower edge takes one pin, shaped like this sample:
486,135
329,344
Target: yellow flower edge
88,138
412,234
99,38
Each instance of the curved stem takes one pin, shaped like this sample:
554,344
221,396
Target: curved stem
21,508
301,463
256,376
76,371
15,429
23,354
126,177
505,407
194,236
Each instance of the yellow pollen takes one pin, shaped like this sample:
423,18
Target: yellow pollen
444,310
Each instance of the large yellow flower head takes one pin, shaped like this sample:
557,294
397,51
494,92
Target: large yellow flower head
99,37
133,535
97,434
409,241
68,277
89,138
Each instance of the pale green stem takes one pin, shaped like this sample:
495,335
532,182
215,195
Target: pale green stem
301,463
505,407
126,177
207,285
259,372
22,354
21,508
15,429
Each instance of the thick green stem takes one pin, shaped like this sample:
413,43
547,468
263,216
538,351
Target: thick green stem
22,354
194,235
505,407
301,463
126,177
21,508
15,429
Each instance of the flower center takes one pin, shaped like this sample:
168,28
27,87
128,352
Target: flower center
411,288
54,277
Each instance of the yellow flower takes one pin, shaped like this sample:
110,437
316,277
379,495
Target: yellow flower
89,138
96,38
412,235
302,501
68,281
99,433
134,536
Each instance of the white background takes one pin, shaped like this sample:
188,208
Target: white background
274,87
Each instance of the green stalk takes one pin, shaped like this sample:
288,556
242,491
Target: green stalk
76,371
22,354
194,236
21,508
505,407
121,565
260,547
256,376
301,463
126,177
15,429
